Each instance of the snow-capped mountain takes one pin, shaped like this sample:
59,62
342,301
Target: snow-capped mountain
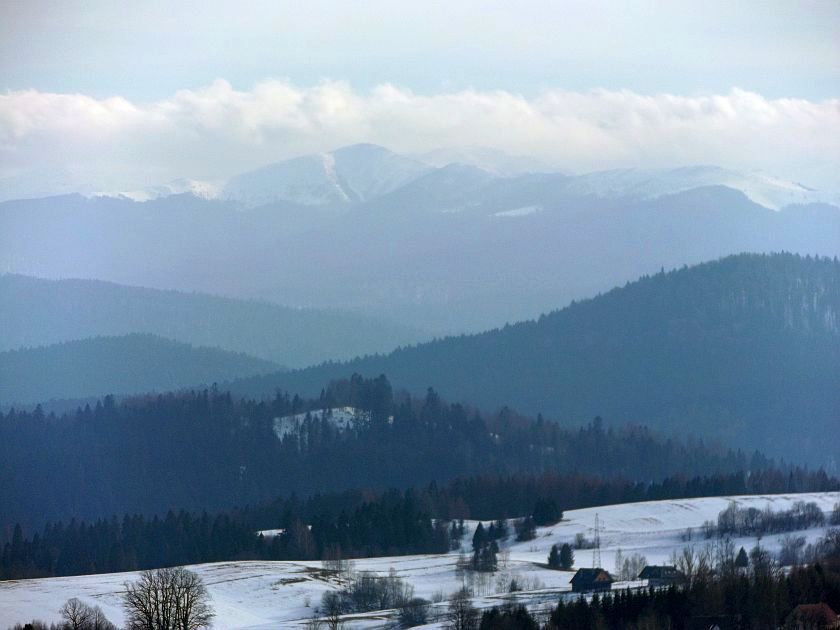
485,158
768,191
205,189
453,179
351,174
451,188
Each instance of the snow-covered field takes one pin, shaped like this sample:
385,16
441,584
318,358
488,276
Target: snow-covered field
262,595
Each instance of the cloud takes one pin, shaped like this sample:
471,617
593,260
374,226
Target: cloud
217,130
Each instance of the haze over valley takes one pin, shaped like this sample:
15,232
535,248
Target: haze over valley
453,316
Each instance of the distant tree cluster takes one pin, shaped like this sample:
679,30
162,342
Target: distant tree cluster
562,557
628,567
75,615
367,591
750,521
486,547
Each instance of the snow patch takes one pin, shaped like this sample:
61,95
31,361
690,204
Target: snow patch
341,418
519,212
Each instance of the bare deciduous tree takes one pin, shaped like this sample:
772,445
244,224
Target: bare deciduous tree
332,606
167,599
76,614
461,615
79,616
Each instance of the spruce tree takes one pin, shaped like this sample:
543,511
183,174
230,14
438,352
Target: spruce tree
567,557
554,558
742,561
479,537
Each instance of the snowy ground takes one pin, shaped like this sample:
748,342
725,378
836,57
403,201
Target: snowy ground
262,595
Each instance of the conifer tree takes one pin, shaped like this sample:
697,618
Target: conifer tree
567,557
554,558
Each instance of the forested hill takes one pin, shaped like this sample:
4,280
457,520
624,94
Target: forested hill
123,365
745,349
207,451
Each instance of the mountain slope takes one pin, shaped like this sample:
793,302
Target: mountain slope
116,365
36,312
457,249
745,350
768,191
348,175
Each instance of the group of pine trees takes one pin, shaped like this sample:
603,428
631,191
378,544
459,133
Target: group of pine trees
561,558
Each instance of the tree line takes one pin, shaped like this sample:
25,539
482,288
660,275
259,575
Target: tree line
352,523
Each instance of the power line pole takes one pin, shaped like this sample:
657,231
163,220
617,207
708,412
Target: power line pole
596,556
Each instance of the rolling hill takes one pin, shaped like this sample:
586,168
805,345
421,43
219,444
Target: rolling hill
129,364
35,312
744,350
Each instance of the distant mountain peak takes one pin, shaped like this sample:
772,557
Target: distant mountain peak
650,183
357,172
486,158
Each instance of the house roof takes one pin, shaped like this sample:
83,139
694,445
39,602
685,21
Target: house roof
590,576
661,572
821,613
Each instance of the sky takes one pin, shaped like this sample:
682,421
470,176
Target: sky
131,94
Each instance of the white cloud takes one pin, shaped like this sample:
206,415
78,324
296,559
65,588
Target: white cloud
217,131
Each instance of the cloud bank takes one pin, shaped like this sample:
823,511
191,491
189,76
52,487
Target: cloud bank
217,131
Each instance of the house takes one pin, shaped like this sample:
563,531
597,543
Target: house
812,617
591,580
662,575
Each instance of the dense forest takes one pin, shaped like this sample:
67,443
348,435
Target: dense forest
349,524
744,350
130,364
207,450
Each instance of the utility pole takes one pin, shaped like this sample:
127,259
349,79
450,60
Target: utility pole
596,556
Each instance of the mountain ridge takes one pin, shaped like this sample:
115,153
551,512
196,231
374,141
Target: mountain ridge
720,348
362,172
129,364
37,312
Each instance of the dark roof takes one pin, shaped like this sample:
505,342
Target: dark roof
661,572
813,613
590,576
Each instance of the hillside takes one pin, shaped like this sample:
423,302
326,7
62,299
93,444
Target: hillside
136,363
743,350
36,312
263,594
148,454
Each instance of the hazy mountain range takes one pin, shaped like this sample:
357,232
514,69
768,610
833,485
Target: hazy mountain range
361,172
744,350
116,365
36,312
446,249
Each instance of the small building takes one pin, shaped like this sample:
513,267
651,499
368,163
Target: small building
812,617
662,575
591,580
